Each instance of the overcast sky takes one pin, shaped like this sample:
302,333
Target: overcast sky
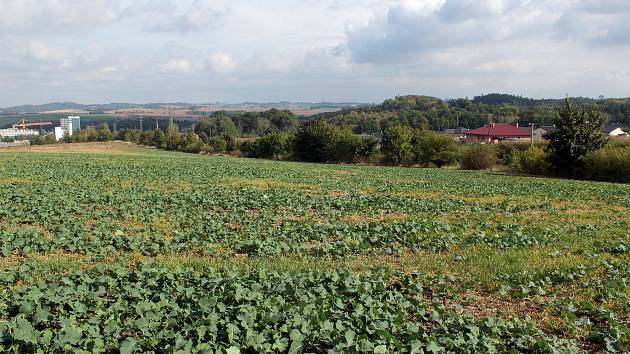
101,51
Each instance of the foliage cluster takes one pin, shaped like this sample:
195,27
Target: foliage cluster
246,123
187,310
424,112
479,157
402,145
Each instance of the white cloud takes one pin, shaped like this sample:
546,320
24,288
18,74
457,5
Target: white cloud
364,50
222,63
200,15
41,51
177,66
599,23
61,15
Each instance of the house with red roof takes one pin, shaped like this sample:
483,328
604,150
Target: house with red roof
496,132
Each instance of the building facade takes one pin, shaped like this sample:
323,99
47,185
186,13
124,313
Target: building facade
71,124
67,126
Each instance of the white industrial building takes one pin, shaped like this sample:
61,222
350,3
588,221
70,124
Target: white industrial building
15,132
68,126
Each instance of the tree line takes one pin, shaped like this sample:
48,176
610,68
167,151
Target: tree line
432,113
576,149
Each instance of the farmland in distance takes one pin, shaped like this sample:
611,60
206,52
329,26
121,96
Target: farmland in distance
108,248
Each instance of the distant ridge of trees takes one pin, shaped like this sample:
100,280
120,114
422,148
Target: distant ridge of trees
433,113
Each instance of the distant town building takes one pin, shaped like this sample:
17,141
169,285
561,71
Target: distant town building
15,132
68,126
59,133
496,132
71,124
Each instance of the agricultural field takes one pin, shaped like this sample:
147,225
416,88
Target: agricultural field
116,248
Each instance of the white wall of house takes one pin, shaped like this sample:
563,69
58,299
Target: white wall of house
617,132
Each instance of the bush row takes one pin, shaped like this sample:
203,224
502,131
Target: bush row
610,164
319,141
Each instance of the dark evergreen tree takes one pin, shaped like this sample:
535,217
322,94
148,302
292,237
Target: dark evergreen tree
577,133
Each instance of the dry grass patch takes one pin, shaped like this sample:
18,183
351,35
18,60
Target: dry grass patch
381,218
17,180
421,195
108,148
263,183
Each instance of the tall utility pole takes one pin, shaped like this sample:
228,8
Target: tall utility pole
532,134
140,124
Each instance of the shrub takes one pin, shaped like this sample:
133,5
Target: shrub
104,133
435,148
218,145
610,164
230,142
369,150
38,140
397,144
531,161
507,150
50,139
159,139
270,146
478,157
146,137
314,140
190,142
347,147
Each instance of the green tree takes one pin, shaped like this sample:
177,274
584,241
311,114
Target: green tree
225,126
50,139
272,145
314,141
397,144
346,146
159,139
577,133
221,124
104,133
435,148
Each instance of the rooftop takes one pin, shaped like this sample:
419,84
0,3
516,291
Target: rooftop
498,130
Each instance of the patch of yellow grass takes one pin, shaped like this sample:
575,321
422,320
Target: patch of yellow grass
382,217
16,180
264,183
109,148
421,195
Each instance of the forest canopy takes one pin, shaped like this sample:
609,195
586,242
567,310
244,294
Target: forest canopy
426,112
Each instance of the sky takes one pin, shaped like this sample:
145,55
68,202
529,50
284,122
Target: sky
197,51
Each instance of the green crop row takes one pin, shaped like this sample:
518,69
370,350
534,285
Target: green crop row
156,309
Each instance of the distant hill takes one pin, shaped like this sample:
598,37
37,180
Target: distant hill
437,114
413,110
245,106
55,106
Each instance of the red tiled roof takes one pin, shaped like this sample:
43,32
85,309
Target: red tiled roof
498,130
